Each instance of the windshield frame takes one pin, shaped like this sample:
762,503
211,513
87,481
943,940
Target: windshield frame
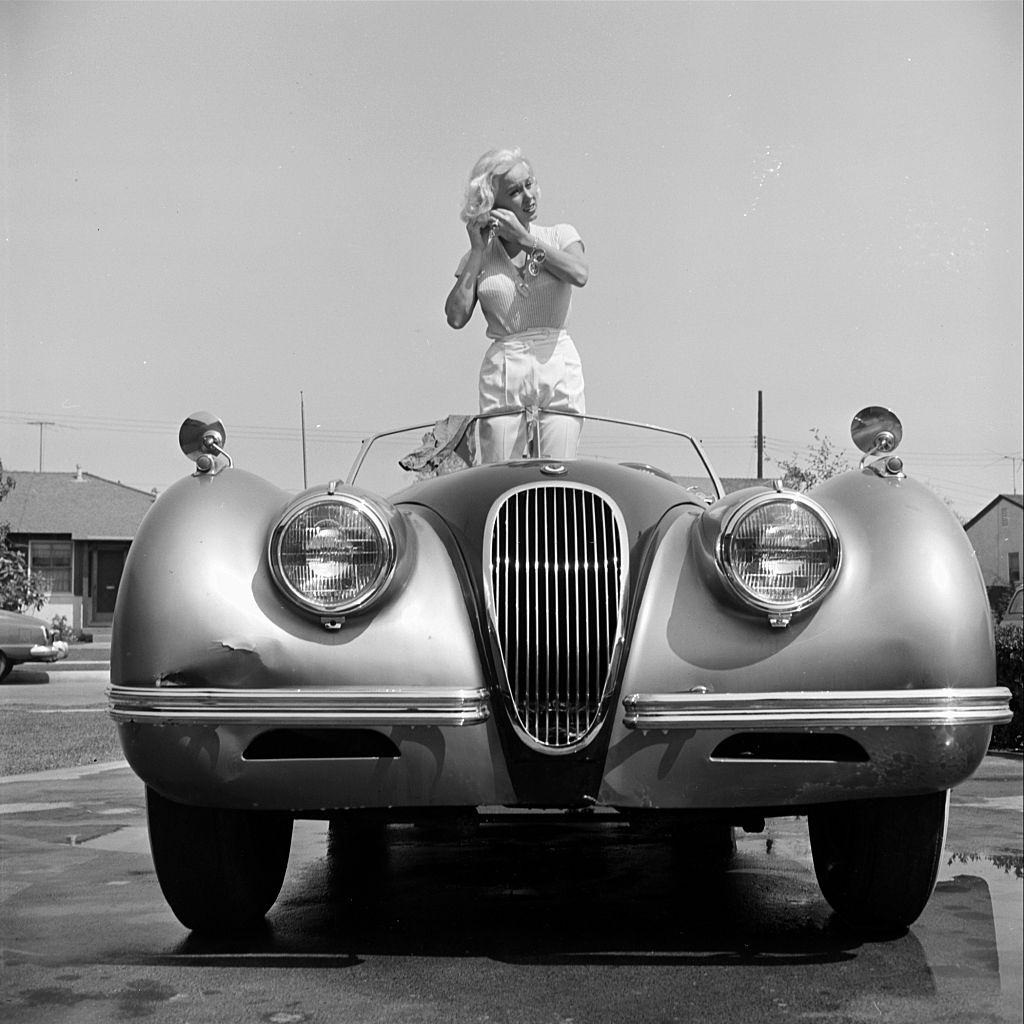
367,443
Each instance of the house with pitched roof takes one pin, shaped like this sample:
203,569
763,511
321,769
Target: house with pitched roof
74,529
997,534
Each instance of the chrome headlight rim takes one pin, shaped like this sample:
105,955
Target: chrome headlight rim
754,600
378,513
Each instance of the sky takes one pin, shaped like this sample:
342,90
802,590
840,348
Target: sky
252,209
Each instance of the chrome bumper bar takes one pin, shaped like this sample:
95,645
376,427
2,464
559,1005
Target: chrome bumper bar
55,651
299,708
850,709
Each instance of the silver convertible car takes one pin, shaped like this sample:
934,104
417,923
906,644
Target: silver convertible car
611,634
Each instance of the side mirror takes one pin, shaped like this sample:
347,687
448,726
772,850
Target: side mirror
202,436
876,430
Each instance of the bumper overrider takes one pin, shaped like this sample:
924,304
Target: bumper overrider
462,707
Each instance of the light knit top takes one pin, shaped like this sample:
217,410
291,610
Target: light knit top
508,310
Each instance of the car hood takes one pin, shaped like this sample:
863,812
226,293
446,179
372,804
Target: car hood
464,499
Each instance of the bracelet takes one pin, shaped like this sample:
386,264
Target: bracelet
537,257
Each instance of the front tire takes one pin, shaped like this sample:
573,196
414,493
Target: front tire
5,665
219,870
877,860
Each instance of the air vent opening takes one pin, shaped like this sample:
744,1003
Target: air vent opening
830,748
319,744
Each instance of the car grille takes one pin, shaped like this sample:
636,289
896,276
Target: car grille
555,558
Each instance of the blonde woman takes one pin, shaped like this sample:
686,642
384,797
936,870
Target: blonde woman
522,275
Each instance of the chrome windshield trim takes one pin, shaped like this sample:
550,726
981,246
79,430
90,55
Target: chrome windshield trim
715,479
848,709
327,707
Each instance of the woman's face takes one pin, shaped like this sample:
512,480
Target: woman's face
517,192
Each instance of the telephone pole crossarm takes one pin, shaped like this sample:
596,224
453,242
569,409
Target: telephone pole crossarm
40,424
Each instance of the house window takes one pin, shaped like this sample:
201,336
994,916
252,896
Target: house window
1013,567
52,560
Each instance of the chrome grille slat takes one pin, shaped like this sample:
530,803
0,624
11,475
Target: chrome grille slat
556,572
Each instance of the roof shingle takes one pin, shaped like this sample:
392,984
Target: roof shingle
85,506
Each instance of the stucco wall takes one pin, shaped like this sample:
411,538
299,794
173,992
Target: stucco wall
60,604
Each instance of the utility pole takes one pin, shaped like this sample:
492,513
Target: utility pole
302,416
760,435
40,424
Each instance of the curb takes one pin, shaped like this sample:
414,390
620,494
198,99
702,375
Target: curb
65,774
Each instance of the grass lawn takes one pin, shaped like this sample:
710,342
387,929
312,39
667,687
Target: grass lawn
33,741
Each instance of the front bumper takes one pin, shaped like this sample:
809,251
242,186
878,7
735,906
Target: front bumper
458,707
56,650
296,708
818,709
194,745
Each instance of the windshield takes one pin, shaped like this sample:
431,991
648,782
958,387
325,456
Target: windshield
392,460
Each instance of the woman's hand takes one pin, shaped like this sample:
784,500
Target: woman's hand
508,228
480,235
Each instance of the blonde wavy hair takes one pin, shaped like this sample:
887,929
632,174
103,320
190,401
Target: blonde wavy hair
479,200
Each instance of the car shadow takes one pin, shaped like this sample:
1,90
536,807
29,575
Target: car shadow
544,895
583,898
22,676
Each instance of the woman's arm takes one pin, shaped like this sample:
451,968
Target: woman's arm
461,301
568,264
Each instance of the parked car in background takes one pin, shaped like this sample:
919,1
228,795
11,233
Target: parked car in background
1014,614
606,635
24,638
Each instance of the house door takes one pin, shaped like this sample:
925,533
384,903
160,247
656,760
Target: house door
109,565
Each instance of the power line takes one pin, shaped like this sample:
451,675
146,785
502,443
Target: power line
105,423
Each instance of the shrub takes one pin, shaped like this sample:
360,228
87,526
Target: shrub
19,589
61,630
1009,673
998,598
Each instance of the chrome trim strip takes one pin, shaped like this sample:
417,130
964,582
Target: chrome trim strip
395,706
847,709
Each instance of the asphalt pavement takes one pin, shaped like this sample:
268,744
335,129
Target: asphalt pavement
576,925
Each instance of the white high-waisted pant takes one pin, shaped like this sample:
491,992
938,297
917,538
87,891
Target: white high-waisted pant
539,368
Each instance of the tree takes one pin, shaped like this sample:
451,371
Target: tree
19,589
825,459
816,463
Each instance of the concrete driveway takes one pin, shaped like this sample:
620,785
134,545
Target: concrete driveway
536,925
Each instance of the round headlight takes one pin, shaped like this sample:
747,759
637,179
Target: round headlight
333,554
779,553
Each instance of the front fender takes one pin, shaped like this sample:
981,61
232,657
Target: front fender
908,609
898,657
197,606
